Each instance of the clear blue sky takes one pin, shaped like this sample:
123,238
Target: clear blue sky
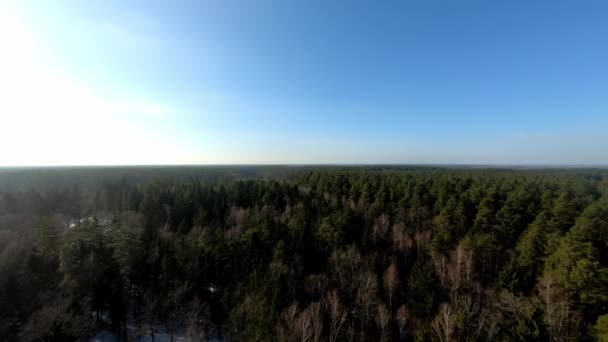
146,82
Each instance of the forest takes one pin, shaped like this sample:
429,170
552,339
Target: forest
304,254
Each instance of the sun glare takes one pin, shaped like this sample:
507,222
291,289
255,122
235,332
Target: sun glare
50,119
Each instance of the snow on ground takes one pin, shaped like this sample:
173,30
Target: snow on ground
161,335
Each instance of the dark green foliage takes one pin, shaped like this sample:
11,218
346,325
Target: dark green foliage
600,329
258,254
422,290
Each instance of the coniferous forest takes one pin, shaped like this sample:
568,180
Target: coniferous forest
304,254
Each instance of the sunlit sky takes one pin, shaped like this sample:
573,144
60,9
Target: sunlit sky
295,82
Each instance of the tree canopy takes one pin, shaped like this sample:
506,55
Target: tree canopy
310,253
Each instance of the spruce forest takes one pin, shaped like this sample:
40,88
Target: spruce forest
303,254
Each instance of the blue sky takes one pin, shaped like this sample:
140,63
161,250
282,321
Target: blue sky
235,82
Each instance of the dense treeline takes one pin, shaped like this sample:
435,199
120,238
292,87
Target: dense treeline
323,255
89,178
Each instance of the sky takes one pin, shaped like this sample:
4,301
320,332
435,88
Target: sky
108,82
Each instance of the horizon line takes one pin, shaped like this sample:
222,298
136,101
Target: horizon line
479,165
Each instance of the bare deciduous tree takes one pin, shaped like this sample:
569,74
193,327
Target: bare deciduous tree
337,314
391,281
304,328
289,324
455,271
443,324
383,320
236,222
344,266
455,275
559,316
316,318
366,296
401,239
309,324
422,238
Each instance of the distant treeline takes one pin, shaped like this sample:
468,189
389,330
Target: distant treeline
304,253
91,178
